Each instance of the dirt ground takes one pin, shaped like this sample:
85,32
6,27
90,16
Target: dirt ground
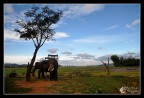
38,87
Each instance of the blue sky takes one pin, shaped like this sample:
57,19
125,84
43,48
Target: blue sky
86,34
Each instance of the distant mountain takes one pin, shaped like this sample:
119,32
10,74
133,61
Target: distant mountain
9,65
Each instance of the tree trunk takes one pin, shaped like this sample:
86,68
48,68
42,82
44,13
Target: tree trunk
108,68
29,67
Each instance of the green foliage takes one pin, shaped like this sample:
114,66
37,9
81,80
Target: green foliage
37,25
120,61
115,59
131,62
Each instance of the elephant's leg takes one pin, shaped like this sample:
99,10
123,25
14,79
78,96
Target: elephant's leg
51,75
56,75
43,74
39,72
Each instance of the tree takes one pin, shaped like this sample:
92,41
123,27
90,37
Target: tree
107,67
120,61
37,28
115,59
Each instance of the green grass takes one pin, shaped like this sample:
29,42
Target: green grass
94,85
84,80
19,71
92,80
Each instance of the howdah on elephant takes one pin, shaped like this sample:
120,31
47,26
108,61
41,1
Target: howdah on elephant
50,66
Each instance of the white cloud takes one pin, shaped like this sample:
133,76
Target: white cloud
112,27
74,10
134,23
77,60
61,35
105,57
8,8
59,23
63,57
86,8
81,59
10,19
100,39
70,10
20,59
14,36
63,60
17,59
53,50
8,34
125,55
71,60
67,53
85,56
132,54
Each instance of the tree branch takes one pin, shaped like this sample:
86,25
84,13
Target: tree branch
103,63
37,40
34,42
44,41
39,44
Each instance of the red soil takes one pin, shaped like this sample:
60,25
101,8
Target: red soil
38,87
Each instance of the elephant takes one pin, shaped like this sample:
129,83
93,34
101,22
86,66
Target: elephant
50,66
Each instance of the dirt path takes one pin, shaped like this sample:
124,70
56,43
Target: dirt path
38,87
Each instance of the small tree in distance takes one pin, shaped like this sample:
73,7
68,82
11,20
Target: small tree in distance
107,67
115,59
37,28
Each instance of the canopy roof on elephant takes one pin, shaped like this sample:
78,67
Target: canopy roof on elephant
52,56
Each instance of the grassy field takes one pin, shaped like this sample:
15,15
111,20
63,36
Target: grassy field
80,80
